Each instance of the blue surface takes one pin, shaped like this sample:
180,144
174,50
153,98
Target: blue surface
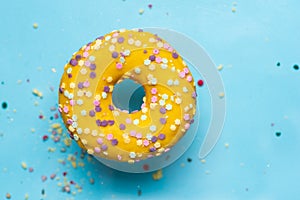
262,98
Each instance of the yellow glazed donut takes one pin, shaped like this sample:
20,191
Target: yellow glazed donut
105,131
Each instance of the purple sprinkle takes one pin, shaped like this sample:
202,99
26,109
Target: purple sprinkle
98,109
78,57
73,62
152,149
145,51
162,110
115,54
69,121
80,85
61,90
111,122
92,66
152,57
92,75
192,121
153,139
140,30
122,126
104,123
194,95
100,37
163,120
120,39
106,89
114,142
110,107
69,75
98,122
175,55
104,147
92,113
161,136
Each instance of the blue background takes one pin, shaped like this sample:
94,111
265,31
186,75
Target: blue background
262,98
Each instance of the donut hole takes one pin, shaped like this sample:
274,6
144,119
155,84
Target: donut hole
128,95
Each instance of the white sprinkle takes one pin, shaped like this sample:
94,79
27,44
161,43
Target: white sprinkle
144,110
137,70
136,121
83,112
72,85
147,62
164,60
170,82
79,101
173,69
97,97
79,93
137,43
172,127
94,133
104,95
74,118
115,113
69,70
169,106
185,90
122,59
139,142
92,58
132,154
81,63
114,40
164,66
107,37
88,94
83,71
111,48
157,145
84,141
152,67
130,41
143,117
162,102
75,137
71,95
151,40
165,96
178,101
152,128
153,81
177,121
86,130
176,82
149,136
126,52
74,124
160,44
79,130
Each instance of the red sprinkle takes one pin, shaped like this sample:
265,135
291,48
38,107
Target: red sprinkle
41,116
52,176
30,169
45,137
44,178
200,83
146,167
64,173
72,182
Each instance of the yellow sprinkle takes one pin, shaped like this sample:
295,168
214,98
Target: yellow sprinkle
81,164
220,67
67,142
36,92
53,70
203,161
233,9
32,130
36,103
19,81
141,11
182,165
51,149
56,125
226,145
24,165
221,95
74,165
59,131
26,196
157,175
35,25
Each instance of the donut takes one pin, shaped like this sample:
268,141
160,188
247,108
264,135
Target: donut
108,132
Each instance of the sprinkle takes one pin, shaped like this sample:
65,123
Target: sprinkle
24,165
162,102
132,154
44,178
100,141
296,67
157,175
152,149
161,136
200,82
278,134
189,78
157,145
143,117
141,11
137,70
114,142
8,195
147,62
152,128
169,106
109,79
119,65
104,147
177,121
220,67
154,99
163,120
122,127
176,82
35,25
178,101
146,143
4,105
221,95
162,110
136,121
175,55
172,127
170,82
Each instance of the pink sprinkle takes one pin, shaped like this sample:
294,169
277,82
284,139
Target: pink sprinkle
66,109
171,49
138,135
100,141
72,102
186,117
86,84
87,63
153,90
96,103
119,65
146,142
97,149
155,51
30,169
52,176
154,99
187,126
44,178
186,70
182,74
166,45
115,34
119,157
158,59
110,136
189,78
85,54
132,133
128,121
